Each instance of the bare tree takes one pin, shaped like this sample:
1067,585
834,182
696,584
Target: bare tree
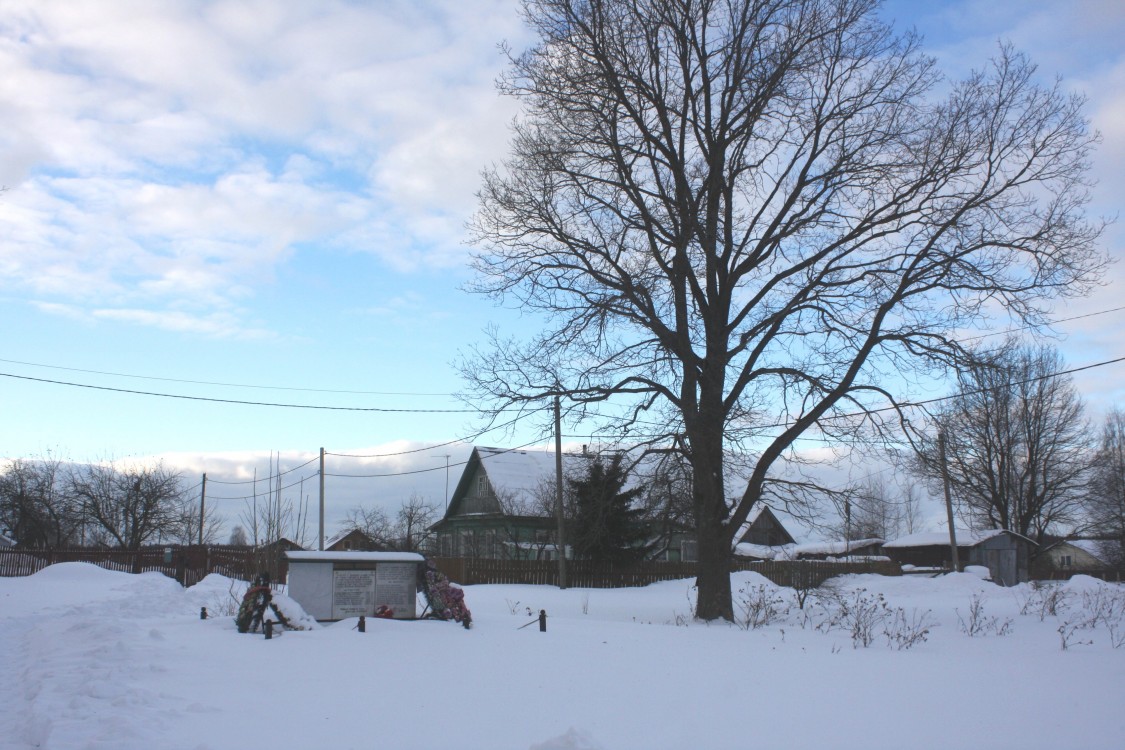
374,523
185,529
35,506
1107,491
129,506
414,519
739,217
1017,442
238,537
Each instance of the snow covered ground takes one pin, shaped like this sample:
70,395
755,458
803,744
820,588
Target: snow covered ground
98,659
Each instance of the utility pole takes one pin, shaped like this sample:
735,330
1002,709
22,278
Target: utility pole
446,482
559,494
321,548
202,505
847,528
948,500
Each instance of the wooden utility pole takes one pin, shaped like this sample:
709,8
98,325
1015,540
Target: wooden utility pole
561,546
202,506
321,548
948,500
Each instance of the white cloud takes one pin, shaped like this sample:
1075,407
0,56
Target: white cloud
173,154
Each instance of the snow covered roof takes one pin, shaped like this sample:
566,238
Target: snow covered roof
965,538
518,473
836,548
1090,546
764,552
355,556
6,541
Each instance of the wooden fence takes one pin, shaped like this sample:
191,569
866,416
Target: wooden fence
585,574
189,565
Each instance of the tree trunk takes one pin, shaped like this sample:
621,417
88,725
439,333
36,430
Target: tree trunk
712,576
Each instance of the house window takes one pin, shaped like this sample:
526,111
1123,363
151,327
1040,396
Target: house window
689,550
482,486
1065,561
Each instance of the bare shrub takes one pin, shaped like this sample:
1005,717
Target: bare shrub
976,622
758,606
1046,599
906,631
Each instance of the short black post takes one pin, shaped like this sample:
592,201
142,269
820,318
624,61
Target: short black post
362,624
269,629
202,613
542,621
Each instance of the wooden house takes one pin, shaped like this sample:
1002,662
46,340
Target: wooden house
763,537
350,540
1065,558
1007,555
501,508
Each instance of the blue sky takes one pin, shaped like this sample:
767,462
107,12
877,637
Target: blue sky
274,194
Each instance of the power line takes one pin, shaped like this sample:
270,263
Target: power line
225,385
443,467
267,478
245,403
464,439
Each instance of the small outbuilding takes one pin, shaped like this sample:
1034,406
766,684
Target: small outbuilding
1006,554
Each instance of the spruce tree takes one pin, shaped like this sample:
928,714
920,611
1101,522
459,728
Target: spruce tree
606,527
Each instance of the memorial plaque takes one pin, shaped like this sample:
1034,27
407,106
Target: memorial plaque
353,593
396,586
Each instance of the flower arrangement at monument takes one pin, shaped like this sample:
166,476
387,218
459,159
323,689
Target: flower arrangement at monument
446,602
259,603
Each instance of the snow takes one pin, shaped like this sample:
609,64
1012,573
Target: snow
99,659
355,556
965,538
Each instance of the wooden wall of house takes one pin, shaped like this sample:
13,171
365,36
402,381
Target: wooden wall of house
479,497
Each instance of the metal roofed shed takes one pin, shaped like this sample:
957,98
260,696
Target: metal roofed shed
337,585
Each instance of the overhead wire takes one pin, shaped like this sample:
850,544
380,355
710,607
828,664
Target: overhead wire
245,403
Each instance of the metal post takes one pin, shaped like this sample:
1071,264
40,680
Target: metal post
321,548
542,621
948,500
561,546
202,505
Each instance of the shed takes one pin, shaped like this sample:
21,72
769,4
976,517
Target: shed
1006,554
337,585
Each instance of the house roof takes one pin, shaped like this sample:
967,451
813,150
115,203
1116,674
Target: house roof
6,541
341,535
764,552
836,548
514,474
965,538
755,514
1090,546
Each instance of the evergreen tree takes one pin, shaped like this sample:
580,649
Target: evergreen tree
607,528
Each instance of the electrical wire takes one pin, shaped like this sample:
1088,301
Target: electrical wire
465,439
267,478
225,385
245,403
424,471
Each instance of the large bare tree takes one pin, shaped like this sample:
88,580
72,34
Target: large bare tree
35,506
129,506
1019,446
741,218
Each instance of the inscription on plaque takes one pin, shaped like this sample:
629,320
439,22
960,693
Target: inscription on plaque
353,593
395,585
